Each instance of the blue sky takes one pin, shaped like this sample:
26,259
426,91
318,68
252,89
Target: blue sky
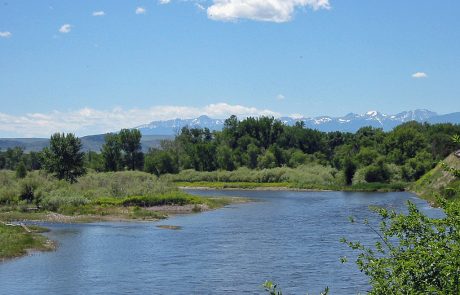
64,69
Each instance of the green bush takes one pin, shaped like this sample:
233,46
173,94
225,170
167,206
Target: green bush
176,198
304,175
58,200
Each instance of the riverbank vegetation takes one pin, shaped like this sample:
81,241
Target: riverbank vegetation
439,182
258,150
123,194
264,150
414,253
15,240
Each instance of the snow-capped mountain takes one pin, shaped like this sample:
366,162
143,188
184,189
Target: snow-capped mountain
349,123
171,127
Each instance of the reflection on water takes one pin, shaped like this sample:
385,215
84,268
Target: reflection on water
288,237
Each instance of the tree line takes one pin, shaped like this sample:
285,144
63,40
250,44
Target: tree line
408,151
372,155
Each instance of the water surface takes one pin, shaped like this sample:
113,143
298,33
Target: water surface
288,237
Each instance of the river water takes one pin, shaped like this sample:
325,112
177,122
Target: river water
288,237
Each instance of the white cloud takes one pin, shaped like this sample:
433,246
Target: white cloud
98,13
280,97
5,34
65,28
141,10
200,6
296,116
91,121
419,75
261,10
164,1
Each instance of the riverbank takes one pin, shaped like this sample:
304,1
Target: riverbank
279,186
154,207
17,240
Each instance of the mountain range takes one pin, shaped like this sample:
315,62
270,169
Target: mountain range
348,123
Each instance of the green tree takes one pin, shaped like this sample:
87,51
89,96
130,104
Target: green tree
130,140
267,160
377,172
94,161
13,156
253,153
224,158
111,153
21,170
349,170
64,158
159,162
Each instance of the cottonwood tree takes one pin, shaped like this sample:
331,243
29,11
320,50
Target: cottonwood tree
130,140
111,153
64,158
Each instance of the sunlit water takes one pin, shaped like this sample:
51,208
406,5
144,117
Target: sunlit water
288,237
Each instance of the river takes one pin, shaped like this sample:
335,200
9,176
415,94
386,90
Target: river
288,237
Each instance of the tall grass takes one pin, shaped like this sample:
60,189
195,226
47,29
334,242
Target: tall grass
302,176
130,187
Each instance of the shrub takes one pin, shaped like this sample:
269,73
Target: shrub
58,200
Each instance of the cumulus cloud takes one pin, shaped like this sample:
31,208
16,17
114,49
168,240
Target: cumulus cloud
65,28
280,97
261,10
5,34
91,121
164,1
419,75
141,10
98,13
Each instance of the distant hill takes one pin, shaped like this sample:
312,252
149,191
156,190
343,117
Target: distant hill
92,142
348,123
436,181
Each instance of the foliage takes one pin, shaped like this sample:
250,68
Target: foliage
111,153
94,161
21,170
64,158
125,189
403,154
415,254
15,241
159,162
130,140
349,169
302,176
377,172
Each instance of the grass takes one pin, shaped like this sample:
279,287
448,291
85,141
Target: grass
362,187
309,177
236,185
96,196
438,182
15,241
301,176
